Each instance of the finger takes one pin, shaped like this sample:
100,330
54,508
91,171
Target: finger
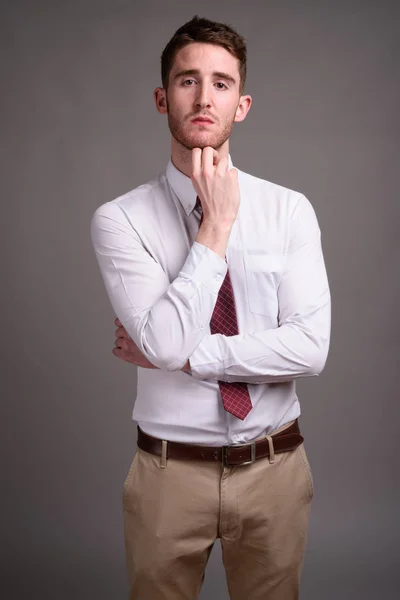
207,159
121,332
196,162
123,343
126,344
117,322
120,354
222,166
234,173
216,157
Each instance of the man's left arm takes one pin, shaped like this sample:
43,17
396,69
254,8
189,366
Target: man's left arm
298,347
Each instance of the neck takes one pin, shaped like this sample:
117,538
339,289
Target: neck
182,156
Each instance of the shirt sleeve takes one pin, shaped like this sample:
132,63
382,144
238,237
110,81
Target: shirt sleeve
166,320
298,347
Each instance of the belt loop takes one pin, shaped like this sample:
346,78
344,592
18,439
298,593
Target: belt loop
163,461
271,449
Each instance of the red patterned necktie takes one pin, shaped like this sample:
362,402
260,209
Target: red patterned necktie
235,396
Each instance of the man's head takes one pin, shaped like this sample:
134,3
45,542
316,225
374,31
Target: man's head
203,71
206,32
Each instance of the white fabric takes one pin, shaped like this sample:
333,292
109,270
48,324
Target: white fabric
163,286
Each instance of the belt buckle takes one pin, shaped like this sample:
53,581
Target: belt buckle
247,462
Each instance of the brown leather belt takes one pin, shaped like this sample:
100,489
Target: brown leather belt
232,455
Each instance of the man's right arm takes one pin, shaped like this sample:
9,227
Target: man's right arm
166,320
215,237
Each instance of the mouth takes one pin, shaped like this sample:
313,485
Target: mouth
202,121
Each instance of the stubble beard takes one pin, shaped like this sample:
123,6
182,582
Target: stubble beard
215,140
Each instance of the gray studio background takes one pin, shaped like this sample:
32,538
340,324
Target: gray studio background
79,128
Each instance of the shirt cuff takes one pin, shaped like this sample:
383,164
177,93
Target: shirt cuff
205,266
206,361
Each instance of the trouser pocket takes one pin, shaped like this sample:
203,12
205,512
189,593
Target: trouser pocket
128,480
307,468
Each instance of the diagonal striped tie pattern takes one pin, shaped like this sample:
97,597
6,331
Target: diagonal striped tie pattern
235,396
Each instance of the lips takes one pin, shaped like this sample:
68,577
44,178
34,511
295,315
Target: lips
202,120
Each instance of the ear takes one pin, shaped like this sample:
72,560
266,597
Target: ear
243,108
160,98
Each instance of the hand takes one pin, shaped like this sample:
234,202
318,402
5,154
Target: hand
217,188
126,348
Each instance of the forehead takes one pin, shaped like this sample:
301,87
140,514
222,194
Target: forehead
205,57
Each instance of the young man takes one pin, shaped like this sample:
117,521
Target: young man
219,284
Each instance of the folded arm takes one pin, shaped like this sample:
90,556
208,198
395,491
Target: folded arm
166,320
298,347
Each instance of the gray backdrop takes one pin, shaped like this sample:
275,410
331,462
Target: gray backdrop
80,128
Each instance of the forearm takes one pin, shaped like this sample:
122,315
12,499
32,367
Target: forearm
276,355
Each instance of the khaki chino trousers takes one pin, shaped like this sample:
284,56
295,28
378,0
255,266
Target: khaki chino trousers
174,510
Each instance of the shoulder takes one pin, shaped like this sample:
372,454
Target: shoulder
131,200
272,194
131,205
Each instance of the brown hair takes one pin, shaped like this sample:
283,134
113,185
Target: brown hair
209,32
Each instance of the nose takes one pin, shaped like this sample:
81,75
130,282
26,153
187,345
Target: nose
203,96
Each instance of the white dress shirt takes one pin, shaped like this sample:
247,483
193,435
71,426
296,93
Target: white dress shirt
163,286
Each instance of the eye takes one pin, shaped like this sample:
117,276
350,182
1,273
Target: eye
186,80
223,84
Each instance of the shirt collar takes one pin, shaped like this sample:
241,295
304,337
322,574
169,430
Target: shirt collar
183,187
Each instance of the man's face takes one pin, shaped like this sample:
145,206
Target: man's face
210,90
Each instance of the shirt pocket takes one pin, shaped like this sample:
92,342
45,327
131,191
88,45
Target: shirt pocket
263,273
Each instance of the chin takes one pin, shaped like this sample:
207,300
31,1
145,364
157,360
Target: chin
198,141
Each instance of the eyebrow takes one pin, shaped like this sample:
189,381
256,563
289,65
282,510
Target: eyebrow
219,74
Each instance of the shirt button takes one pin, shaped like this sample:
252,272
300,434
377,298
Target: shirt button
218,278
